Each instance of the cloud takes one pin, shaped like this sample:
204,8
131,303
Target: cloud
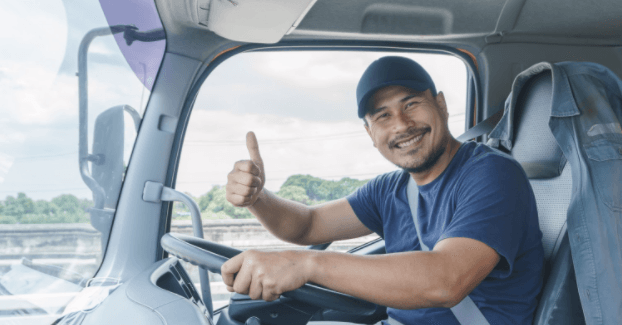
312,85
313,69
6,162
34,32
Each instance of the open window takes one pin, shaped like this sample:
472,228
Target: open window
302,107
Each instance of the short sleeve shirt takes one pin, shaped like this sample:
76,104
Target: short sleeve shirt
483,194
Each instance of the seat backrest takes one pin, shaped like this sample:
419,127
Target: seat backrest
537,150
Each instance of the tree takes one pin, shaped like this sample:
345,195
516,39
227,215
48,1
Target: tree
205,199
45,207
8,220
294,193
68,204
318,189
65,208
218,202
308,182
332,190
18,206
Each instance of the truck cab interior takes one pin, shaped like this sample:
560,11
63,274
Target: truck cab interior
142,276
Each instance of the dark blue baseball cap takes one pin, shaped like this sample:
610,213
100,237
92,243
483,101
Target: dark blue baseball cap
388,71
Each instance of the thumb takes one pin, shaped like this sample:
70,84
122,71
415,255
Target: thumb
253,148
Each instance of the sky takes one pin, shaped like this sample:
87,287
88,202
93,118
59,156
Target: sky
39,93
301,105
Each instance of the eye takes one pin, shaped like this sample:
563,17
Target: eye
382,116
412,103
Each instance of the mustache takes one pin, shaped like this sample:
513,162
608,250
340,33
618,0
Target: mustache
410,132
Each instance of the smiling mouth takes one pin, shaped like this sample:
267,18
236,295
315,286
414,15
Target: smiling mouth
412,141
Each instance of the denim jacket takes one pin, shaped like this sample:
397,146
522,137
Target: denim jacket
585,121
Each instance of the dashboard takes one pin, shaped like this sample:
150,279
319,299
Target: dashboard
162,294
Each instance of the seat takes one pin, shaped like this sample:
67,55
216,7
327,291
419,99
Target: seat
538,152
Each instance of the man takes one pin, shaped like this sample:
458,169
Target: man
476,213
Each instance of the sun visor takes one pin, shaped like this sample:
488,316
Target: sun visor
253,21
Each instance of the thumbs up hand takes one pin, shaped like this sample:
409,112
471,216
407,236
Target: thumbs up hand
246,180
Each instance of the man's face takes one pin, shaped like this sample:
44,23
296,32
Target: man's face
409,128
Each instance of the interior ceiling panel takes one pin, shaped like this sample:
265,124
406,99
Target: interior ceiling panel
468,24
572,18
402,17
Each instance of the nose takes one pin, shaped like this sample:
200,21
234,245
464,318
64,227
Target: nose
402,122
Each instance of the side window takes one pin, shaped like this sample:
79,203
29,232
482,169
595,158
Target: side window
302,107
65,142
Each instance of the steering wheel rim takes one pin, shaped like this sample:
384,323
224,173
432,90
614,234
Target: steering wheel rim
212,256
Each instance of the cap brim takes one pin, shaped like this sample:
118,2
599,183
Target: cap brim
412,84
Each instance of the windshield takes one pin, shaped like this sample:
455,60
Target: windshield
68,130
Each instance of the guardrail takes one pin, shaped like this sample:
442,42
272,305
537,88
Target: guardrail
82,241
77,248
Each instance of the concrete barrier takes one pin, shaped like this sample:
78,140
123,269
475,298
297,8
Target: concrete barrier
77,246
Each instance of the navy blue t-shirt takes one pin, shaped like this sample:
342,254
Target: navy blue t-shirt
483,194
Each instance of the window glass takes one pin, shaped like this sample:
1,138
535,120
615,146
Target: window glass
55,196
302,107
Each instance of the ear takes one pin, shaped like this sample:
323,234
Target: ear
369,133
440,102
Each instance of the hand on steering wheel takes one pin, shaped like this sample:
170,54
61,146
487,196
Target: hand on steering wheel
265,275
212,256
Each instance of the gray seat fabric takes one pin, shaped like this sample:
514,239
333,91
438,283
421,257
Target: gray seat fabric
537,151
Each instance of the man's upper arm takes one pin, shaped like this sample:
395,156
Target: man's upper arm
467,262
496,207
337,220
333,221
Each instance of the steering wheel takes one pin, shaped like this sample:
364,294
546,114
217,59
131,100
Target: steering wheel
212,256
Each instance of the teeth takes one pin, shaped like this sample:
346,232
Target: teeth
409,142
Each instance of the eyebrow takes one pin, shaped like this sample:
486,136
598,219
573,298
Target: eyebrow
375,111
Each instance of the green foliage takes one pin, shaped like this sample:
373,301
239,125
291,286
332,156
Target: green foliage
45,207
7,220
205,199
294,193
57,218
318,189
18,206
215,202
305,189
65,208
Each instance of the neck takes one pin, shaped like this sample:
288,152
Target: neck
431,174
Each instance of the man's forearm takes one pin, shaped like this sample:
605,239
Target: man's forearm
403,280
287,220
409,280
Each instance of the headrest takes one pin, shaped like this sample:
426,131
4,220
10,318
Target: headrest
534,147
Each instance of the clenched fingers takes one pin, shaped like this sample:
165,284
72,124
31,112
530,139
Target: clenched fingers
247,166
230,268
244,178
254,291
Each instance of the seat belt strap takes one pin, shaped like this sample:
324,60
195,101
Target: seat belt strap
466,311
482,127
